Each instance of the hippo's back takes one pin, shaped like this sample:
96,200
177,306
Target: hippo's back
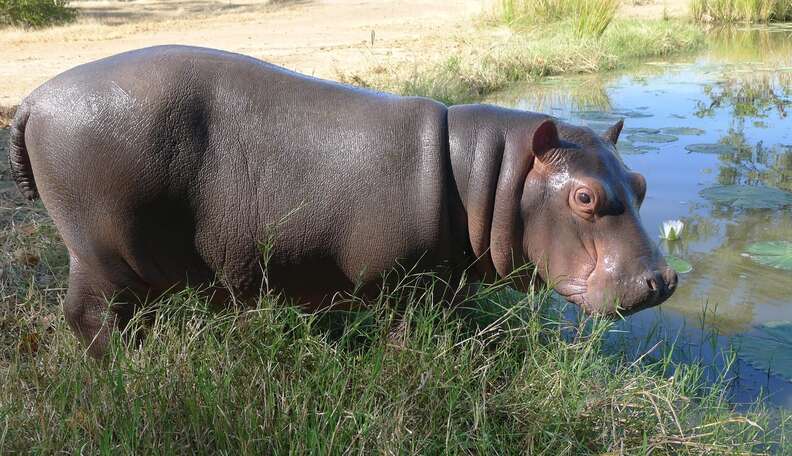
182,161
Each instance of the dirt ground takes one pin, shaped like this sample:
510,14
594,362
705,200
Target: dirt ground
319,37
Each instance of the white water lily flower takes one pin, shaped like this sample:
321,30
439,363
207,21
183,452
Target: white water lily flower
672,230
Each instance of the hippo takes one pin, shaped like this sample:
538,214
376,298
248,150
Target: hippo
171,166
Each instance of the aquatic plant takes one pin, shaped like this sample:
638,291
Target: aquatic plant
652,138
716,148
672,230
747,196
678,264
775,254
768,347
683,131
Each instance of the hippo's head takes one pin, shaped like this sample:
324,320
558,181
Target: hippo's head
582,230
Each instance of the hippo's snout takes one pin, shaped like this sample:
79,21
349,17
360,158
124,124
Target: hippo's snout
619,293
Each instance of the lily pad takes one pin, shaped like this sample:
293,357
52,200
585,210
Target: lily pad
609,116
598,116
768,348
683,131
747,197
775,254
628,148
711,148
652,138
648,131
633,114
678,264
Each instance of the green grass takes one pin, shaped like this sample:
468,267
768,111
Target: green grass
730,11
487,62
499,377
590,17
35,13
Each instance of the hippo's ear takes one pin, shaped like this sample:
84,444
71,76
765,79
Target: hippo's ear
545,139
612,134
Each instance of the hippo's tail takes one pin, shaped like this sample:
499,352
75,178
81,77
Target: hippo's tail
18,157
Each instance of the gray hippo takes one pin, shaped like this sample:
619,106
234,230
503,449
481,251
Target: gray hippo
171,165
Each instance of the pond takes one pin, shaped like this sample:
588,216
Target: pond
713,137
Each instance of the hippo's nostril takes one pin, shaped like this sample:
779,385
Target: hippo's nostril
670,277
652,283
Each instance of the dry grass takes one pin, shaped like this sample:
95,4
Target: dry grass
494,58
6,114
729,11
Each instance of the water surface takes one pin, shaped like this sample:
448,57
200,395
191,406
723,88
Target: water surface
716,119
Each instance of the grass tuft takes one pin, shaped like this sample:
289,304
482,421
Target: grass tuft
730,11
590,17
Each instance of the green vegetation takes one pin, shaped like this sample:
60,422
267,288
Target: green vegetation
729,11
741,196
488,62
769,346
493,378
590,17
35,13
774,254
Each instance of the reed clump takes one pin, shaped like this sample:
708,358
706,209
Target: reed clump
590,17
732,11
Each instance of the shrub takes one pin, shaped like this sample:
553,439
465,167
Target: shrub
35,13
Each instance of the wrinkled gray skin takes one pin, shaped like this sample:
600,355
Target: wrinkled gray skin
172,165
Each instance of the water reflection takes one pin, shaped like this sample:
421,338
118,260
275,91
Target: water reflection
752,45
752,94
737,94
755,164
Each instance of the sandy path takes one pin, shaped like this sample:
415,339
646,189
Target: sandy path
313,37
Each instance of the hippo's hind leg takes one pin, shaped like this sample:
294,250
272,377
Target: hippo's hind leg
96,305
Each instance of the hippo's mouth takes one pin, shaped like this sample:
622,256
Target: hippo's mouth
574,290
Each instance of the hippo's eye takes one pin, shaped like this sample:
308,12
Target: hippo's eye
584,202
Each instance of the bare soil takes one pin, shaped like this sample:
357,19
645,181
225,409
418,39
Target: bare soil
321,37
313,37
